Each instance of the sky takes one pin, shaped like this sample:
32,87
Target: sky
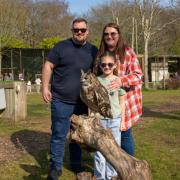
82,6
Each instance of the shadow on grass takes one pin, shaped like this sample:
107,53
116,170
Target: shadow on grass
37,145
147,112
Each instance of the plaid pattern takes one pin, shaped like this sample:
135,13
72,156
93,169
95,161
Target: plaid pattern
131,77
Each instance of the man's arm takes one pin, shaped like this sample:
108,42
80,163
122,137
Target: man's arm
46,76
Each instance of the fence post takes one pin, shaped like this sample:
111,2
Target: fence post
16,103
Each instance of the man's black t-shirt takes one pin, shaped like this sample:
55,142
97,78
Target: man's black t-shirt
69,58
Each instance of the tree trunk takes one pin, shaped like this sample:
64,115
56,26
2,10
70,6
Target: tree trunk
146,77
88,131
0,62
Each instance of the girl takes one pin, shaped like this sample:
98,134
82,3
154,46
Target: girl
108,65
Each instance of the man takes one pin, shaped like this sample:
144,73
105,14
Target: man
65,62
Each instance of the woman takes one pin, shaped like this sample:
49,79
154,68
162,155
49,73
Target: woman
130,78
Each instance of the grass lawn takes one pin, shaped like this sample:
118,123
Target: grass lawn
24,146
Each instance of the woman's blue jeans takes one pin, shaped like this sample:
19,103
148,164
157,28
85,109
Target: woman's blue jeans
127,142
60,117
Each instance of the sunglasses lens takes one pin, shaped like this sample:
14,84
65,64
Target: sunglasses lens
110,65
83,30
103,65
106,34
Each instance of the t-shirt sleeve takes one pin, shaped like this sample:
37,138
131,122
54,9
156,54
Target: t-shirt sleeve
122,92
54,55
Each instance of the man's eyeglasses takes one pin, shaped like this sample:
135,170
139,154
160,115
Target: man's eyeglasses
113,34
75,30
110,65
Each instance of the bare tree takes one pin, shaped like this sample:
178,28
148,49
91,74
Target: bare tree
149,11
9,16
117,11
46,19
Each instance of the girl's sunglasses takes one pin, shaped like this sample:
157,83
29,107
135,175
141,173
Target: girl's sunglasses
110,65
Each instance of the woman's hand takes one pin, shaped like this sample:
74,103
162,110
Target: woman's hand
115,84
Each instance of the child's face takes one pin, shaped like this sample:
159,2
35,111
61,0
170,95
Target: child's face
107,65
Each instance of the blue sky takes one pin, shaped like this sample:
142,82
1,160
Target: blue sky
81,6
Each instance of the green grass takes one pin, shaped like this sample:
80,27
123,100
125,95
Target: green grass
36,106
157,139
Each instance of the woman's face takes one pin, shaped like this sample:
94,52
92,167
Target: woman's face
111,37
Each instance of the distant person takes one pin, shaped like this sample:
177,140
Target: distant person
38,85
1,77
21,77
6,77
64,63
11,77
176,76
108,65
29,86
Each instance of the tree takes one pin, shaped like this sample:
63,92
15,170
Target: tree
9,16
47,19
49,42
31,21
149,12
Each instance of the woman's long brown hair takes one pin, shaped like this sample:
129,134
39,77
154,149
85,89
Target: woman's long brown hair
119,50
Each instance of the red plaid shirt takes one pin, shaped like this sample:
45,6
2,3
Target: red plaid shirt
131,77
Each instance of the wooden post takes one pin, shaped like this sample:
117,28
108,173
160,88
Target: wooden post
12,64
132,40
16,103
20,60
164,63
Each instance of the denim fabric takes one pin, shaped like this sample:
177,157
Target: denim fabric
102,169
127,142
60,117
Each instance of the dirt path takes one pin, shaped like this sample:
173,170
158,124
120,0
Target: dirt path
25,141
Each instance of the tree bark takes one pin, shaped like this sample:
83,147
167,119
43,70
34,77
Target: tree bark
146,76
88,131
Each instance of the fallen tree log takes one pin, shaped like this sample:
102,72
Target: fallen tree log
88,131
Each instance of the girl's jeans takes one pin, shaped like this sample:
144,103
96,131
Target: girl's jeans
102,169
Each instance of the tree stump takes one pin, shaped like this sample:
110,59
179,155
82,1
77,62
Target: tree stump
87,131
85,176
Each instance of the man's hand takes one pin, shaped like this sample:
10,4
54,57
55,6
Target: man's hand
115,84
46,95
